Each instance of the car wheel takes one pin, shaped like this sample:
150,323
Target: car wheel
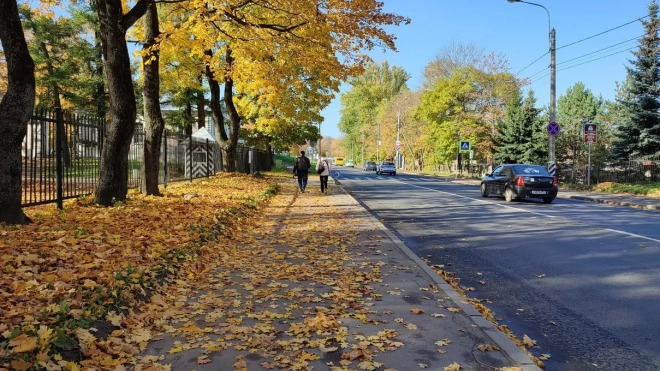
548,200
484,192
508,195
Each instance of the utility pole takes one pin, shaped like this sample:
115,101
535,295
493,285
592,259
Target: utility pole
553,101
362,148
378,144
552,166
398,130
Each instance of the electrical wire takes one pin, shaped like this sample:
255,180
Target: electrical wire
585,62
579,41
601,33
601,50
536,60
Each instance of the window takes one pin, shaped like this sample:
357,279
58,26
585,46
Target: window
530,170
497,171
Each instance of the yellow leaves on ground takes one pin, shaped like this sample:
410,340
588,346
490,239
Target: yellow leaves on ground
528,342
453,367
71,265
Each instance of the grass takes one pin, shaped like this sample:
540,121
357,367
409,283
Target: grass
651,189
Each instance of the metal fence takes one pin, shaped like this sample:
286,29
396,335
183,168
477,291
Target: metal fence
635,170
61,155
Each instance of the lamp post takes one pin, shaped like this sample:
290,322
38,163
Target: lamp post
553,79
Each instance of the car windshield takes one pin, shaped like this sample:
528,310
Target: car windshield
371,163
529,170
388,163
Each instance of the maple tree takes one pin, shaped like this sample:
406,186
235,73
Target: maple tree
15,111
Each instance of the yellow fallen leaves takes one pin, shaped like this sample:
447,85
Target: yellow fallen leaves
453,367
70,266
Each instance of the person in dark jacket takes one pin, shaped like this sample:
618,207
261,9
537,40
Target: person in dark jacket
301,169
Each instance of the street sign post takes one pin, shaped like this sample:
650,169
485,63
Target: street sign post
589,131
471,154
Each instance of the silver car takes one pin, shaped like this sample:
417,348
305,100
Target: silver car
386,167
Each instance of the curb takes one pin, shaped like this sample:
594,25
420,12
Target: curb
500,339
610,202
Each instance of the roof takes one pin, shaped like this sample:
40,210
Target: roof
203,134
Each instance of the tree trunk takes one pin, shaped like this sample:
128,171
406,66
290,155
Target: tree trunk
15,111
113,168
201,102
234,118
154,123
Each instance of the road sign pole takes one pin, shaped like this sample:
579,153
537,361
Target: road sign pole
589,165
553,107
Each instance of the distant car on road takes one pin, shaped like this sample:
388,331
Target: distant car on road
515,181
350,163
369,166
386,167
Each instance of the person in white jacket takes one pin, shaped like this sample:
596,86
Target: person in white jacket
325,164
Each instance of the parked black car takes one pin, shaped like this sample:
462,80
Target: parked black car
369,166
520,181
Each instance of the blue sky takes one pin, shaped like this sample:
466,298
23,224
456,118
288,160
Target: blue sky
520,31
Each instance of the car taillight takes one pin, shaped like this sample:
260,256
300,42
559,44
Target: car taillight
520,182
554,181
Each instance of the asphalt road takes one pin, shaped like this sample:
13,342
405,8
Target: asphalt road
582,279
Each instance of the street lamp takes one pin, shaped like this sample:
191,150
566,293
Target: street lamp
553,79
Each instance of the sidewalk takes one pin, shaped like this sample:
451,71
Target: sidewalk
321,284
638,202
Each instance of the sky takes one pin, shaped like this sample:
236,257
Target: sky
520,32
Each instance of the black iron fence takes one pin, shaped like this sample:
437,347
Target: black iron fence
635,170
61,155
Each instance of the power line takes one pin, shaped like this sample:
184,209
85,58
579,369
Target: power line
600,50
536,60
604,32
579,64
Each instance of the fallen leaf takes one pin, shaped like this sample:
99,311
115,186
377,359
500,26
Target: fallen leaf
527,341
540,275
438,315
453,367
423,365
417,311
454,310
544,357
203,359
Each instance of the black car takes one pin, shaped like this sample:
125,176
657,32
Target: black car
369,166
520,181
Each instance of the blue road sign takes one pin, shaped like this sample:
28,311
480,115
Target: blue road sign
465,146
553,129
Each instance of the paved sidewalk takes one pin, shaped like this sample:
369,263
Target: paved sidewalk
328,287
638,202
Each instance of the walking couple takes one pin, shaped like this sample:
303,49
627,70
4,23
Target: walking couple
301,169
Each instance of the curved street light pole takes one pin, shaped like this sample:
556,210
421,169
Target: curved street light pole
553,79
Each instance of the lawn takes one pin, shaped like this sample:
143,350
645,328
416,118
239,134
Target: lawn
641,189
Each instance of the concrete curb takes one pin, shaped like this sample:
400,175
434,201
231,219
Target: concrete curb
507,346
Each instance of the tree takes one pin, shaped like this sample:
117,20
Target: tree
574,108
521,138
153,119
15,111
369,94
639,133
113,167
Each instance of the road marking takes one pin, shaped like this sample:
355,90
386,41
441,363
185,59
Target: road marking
478,200
632,234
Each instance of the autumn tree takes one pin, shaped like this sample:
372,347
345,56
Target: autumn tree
363,102
639,132
15,111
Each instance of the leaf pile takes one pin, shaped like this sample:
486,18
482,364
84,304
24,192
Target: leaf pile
69,270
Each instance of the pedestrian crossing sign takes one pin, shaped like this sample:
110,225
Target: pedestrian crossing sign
465,146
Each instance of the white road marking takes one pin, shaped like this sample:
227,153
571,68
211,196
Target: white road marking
632,234
478,200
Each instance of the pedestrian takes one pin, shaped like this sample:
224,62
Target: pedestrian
301,169
323,169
